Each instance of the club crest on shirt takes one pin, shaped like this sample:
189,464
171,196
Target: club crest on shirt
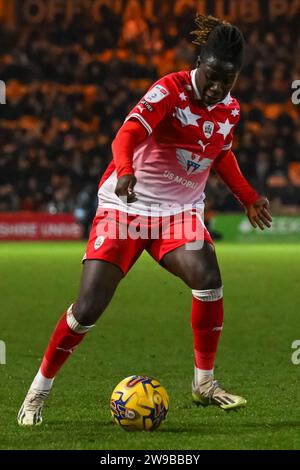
157,94
191,162
208,129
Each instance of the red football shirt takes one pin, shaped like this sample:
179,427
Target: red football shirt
184,139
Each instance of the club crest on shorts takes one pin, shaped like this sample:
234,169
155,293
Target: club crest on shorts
208,129
157,94
99,242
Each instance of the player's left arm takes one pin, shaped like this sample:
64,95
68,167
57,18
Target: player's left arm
227,167
256,206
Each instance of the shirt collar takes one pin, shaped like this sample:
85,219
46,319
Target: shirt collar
225,101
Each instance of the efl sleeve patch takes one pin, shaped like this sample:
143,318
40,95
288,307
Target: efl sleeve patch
156,94
153,107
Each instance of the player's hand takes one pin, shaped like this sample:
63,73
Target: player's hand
258,214
124,188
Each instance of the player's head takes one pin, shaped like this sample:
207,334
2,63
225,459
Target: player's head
220,58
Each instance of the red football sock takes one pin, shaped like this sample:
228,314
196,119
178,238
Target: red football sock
207,320
61,345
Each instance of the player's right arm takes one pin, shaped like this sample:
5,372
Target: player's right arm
139,124
131,134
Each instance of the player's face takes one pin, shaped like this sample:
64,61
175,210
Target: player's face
215,79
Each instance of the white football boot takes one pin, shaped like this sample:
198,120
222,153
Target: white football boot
209,392
30,413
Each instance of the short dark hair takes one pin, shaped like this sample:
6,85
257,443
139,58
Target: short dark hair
219,39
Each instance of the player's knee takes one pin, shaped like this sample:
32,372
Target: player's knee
88,309
205,279
212,279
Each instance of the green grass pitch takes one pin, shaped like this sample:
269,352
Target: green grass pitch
146,330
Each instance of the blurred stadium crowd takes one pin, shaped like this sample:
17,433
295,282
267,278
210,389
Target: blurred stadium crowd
69,90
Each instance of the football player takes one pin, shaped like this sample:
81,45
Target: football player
162,156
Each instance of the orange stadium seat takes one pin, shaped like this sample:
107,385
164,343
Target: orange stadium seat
294,173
